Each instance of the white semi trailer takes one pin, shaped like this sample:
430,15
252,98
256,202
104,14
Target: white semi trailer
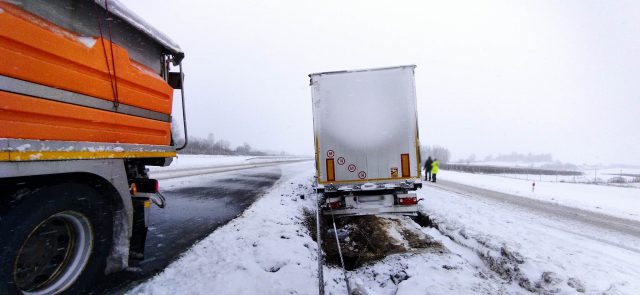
366,141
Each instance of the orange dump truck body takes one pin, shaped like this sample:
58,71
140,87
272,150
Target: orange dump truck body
85,106
58,85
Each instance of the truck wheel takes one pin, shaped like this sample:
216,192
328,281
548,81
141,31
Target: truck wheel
54,239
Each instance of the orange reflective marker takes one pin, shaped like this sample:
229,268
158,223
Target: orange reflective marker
404,160
331,172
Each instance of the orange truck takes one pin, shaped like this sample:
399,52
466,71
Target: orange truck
86,90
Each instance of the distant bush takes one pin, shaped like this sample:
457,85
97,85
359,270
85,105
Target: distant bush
211,146
514,157
635,179
617,179
487,169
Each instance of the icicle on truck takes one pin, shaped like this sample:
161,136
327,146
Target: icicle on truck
366,141
85,104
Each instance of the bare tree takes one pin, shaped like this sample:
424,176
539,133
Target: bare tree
436,152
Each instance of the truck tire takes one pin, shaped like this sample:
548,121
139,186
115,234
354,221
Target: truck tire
54,239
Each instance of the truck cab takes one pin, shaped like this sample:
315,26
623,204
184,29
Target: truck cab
86,95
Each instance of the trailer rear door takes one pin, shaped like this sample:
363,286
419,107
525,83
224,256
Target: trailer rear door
365,125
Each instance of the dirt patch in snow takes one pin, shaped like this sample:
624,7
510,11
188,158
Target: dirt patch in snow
367,239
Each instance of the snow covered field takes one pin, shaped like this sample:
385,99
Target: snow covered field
182,162
616,201
488,247
588,178
192,165
518,164
610,175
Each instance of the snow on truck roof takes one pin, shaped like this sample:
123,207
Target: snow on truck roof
121,11
143,42
362,70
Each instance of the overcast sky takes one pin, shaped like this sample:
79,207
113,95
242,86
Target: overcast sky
493,76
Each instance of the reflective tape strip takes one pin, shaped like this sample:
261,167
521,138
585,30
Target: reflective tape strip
418,156
331,172
317,156
48,156
404,162
42,91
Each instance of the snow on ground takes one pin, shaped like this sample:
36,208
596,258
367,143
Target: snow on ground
539,252
268,250
519,164
450,269
186,162
264,251
488,247
201,161
616,201
600,179
614,171
611,175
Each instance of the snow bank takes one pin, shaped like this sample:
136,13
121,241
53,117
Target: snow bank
616,201
540,253
264,251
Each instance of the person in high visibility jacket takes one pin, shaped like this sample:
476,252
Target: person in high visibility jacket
434,170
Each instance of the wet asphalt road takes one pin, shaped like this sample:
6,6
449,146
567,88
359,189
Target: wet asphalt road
196,206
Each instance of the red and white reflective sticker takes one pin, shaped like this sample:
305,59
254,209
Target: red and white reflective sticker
330,154
341,161
362,175
352,168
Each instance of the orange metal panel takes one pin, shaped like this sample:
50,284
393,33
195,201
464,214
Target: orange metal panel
36,50
34,118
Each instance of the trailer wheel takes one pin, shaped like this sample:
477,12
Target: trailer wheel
54,239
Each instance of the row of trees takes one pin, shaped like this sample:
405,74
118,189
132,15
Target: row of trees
211,146
435,152
517,157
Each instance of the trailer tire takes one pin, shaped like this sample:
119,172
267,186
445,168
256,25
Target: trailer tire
54,239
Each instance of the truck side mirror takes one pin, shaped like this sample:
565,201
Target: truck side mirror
175,80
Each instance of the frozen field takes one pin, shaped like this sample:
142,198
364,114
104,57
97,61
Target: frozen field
193,165
182,162
616,201
615,176
488,247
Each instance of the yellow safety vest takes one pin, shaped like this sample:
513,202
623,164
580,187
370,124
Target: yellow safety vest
434,167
